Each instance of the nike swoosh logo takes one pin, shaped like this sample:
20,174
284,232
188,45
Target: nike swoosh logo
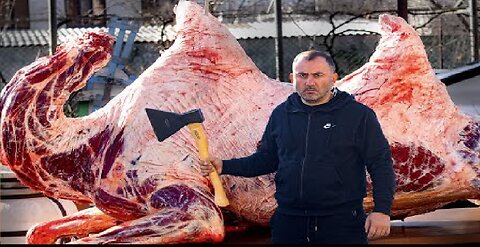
328,126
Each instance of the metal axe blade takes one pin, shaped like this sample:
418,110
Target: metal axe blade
166,124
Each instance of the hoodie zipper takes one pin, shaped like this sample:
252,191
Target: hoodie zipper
305,157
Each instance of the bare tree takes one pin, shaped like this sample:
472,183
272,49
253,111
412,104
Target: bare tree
437,21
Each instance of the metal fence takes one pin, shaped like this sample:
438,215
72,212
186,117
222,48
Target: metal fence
448,52
353,51
349,52
14,58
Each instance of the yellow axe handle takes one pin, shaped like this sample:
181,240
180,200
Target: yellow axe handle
202,144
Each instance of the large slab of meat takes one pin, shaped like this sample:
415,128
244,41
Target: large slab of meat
147,191
435,147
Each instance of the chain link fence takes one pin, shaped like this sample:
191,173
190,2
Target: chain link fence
448,52
349,52
14,58
352,51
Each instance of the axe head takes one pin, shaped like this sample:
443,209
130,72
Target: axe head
166,124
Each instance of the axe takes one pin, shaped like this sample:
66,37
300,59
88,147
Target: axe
166,124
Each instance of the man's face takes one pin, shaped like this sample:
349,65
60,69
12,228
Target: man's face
313,80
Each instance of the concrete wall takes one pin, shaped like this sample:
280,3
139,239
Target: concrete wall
39,13
124,8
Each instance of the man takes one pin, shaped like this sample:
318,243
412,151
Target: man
319,142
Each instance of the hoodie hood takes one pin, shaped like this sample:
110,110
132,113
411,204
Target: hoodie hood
341,99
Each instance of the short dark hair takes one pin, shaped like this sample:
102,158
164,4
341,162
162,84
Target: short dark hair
312,54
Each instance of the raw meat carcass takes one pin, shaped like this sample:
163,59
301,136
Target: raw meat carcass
147,191
435,147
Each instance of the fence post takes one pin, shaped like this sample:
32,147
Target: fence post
52,23
474,30
402,8
279,40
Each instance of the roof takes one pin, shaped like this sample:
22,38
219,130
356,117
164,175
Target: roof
463,86
28,37
39,37
459,74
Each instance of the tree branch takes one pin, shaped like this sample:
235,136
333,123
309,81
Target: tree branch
435,16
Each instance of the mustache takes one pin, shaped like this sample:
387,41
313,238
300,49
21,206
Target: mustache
310,89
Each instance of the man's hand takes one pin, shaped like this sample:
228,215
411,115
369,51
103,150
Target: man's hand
206,166
377,225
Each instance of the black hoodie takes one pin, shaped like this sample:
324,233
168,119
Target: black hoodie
320,154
